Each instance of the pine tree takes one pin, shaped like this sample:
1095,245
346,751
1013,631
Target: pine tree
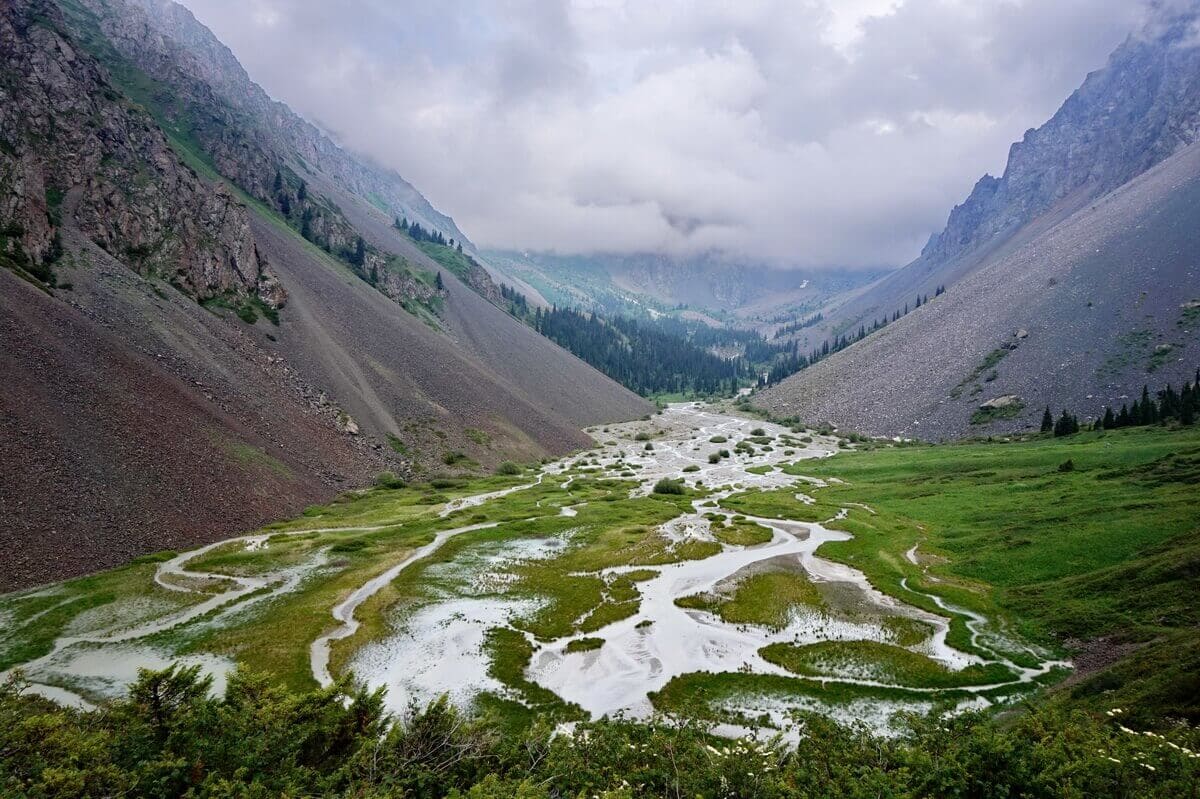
1066,425
1047,421
439,284
1123,418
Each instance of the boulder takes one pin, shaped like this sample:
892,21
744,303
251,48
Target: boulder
1000,402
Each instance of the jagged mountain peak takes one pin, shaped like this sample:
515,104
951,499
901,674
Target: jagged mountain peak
1140,108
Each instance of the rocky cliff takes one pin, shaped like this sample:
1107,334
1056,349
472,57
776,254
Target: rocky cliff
73,152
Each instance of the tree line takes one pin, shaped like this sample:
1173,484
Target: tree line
793,360
1167,405
420,234
799,325
640,355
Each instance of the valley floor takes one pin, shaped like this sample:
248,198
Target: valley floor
698,564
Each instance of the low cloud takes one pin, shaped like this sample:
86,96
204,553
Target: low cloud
828,132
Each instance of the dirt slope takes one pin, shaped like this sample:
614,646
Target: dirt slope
116,442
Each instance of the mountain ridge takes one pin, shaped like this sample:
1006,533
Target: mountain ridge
1127,133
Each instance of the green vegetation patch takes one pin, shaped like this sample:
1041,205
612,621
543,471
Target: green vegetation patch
767,599
989,364
741,533
584,645
880,662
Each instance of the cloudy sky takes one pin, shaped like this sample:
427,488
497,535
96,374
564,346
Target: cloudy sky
815,132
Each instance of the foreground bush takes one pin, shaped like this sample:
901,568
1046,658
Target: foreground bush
170,738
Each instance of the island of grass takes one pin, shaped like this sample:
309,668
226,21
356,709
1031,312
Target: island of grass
584,645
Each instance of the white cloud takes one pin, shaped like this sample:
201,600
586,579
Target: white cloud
825,132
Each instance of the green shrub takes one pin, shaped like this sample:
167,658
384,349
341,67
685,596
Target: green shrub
509,468
389,480
691,468
669,486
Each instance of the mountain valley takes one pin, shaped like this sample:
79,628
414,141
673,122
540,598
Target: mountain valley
306,493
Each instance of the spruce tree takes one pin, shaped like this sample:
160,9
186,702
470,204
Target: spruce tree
1047,421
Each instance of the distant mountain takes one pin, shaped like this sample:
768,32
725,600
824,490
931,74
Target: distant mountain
208,318
1087,245
630,283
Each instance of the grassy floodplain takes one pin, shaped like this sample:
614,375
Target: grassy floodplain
1102,557
1028,559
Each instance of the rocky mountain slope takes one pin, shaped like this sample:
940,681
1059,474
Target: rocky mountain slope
1087,243
202,55
180,362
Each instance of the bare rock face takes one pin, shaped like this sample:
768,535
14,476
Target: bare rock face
73,153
